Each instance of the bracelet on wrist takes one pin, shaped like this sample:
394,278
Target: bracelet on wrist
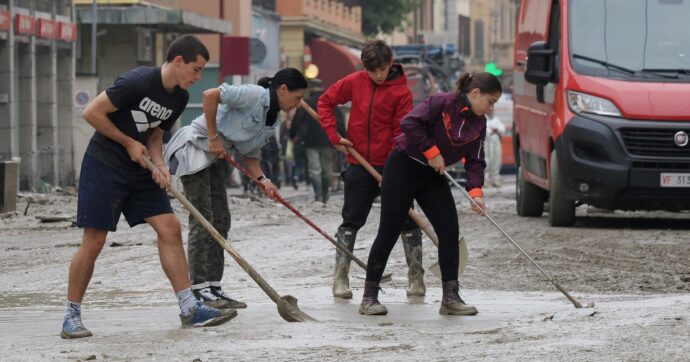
263,179
213,137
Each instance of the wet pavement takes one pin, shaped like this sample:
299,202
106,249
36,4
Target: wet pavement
636,277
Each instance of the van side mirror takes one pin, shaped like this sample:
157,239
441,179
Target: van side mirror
540,64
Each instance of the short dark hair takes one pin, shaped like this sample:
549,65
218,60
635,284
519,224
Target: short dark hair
187,46
291,77
376,54
485,81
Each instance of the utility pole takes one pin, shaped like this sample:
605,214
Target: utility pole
94,26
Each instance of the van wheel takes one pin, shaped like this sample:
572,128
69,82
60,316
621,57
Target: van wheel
561,210
530,198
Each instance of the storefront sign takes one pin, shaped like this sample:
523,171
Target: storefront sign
25,24
47,28
5,20
68,32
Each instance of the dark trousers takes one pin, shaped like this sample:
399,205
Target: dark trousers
360,191
405,180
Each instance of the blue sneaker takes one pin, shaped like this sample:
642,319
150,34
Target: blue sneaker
72,327
202,315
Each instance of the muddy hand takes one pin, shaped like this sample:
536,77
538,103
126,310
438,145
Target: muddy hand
269,189
438,164
216,147
344,144
161,176
137,152
478,205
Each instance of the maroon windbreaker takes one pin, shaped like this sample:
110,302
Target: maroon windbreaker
437,125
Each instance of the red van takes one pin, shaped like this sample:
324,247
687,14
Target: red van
602,106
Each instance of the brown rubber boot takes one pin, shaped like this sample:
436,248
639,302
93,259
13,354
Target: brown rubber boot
370,301
341,280
452,304
412,244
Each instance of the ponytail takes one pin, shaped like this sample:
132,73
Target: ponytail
486,82
291,77
265,82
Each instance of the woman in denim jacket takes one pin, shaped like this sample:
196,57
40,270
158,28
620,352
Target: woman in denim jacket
440,131
242,118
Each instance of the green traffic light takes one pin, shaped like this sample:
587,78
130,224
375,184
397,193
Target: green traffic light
491,68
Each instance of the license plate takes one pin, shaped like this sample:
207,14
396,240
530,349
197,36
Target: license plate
675,179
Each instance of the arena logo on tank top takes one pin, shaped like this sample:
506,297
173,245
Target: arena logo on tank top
154,109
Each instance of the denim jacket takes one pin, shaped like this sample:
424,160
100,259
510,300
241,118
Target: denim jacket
241,117
241,124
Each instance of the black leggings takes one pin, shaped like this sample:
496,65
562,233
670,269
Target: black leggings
360,191
405,180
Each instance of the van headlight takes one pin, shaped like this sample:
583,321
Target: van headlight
580,102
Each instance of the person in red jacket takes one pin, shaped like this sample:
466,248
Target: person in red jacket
380,98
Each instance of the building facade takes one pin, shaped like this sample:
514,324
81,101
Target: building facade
492,35
131,33
326,33
36,76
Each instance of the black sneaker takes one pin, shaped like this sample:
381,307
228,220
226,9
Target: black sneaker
210,299
220,293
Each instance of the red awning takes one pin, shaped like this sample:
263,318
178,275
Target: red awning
335,61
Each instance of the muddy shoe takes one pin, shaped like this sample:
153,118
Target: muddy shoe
232,303
370,301
452,304
72,327
207,296
202,315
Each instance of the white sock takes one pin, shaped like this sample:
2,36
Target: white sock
187,300
72,309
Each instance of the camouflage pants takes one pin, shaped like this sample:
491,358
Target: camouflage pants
206,191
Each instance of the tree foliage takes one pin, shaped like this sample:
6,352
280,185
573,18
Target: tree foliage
386,16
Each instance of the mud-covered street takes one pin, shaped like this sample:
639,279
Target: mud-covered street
632,266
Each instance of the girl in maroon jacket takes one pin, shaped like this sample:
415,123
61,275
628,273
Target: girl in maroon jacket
380,98
438,132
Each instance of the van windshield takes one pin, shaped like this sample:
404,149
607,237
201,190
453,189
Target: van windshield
650,39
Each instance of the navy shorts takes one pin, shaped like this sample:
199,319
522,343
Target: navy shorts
105,193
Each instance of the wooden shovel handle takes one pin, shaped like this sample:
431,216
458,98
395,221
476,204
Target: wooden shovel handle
377,176
219,238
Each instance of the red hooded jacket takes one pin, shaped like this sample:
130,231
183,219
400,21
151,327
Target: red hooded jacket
375,113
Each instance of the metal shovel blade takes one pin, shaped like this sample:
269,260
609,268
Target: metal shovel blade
385,278
289,310
462,259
